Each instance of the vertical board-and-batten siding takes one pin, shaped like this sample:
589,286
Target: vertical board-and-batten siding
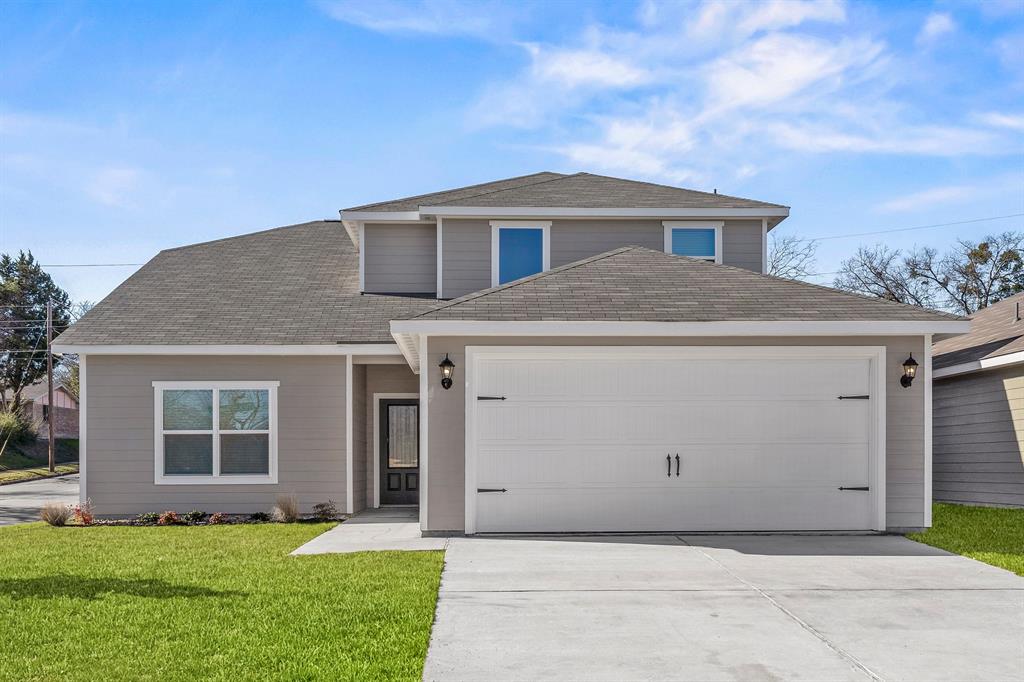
399,258
120,431
905,464
978,427
466,246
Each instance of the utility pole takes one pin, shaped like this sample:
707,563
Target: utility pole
49,382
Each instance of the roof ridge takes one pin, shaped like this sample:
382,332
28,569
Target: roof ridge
526,280
798,282
455,189
685,189
247,234
561,176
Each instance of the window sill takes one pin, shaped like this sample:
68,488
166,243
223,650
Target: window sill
215,480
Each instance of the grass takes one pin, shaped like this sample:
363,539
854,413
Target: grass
29,461
214,602
989,534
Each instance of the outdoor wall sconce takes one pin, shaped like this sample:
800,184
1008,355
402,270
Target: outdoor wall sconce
909,371
447,370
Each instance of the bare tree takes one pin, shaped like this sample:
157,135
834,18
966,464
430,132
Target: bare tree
884,273
791,257
973,276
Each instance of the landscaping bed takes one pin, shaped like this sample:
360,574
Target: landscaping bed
217,602
990,534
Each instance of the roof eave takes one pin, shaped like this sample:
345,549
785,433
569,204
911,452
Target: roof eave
634,212
980,365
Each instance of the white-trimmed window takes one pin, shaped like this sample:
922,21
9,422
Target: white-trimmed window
694,239
215,432
519,248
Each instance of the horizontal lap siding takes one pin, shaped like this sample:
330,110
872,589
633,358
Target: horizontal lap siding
360,472
573,240
904,418
742,244
311,432
400,258
978,428
465,256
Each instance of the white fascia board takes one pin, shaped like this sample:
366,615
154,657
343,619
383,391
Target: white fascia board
382,216
352,228
409,346
980,365
557,212
299,349
739,328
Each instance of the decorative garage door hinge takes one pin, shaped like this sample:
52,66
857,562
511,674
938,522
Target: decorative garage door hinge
854,397
490,397
856,487
491,490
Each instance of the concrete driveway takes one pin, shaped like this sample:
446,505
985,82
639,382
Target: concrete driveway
723,608
21,502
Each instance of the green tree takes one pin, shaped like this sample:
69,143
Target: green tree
25,289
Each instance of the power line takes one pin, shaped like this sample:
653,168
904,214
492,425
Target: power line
907,229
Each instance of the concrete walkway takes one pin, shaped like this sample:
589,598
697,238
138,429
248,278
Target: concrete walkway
722,608
21,502
374,530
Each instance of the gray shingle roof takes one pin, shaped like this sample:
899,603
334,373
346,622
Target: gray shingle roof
581,190
995,331
642,285
290,285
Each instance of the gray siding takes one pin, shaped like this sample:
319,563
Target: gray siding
904,416
311,437
978,427
382,379
741,244
399,258
360,437
466,246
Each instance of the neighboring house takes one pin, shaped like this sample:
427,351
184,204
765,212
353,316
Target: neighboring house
979,409
616,360
36,408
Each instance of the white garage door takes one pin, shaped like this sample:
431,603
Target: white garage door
702,439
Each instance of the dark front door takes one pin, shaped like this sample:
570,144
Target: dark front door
399,451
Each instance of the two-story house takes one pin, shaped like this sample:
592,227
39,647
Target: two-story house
543,353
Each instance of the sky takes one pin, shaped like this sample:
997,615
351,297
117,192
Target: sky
126,128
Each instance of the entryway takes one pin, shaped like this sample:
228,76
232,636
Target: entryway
398,448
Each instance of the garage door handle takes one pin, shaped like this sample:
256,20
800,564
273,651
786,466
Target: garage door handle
668,459
854,397
856,487
491,490
677,464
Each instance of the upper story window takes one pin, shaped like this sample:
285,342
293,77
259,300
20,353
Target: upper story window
695,239
519,248
215,432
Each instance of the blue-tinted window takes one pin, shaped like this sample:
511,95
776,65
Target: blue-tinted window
698,243
520,253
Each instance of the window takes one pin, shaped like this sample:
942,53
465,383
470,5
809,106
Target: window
215,432
519,248
697,240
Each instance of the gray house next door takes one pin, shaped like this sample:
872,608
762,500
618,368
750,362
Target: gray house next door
399,451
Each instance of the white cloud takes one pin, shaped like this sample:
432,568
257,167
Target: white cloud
484,20
998,119
114,186
575,68
935,26
953,194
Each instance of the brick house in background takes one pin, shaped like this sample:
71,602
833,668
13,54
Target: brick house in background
35,406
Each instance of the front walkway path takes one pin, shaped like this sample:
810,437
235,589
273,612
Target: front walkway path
21,502
722,608
374,530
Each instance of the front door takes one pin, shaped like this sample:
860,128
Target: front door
399,451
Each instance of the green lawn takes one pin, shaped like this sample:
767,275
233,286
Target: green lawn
995,536
28,461
215,602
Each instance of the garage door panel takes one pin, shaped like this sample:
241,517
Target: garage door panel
580,443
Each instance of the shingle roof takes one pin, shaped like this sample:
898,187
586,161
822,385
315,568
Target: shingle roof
996,330
449,195
642,285
290,285
580,190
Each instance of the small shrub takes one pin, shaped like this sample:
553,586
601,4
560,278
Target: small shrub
217,518
85,514
286,510
325,511
15,429
148,518
55,514
193,517
259,517
168,518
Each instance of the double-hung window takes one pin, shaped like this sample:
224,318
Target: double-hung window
694,239
519,248
215,432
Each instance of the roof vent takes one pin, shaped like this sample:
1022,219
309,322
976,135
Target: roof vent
1016,314
716,190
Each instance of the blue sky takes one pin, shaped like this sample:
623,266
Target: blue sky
126,128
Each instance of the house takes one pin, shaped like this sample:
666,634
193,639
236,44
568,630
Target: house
979,409
36,408
543,353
